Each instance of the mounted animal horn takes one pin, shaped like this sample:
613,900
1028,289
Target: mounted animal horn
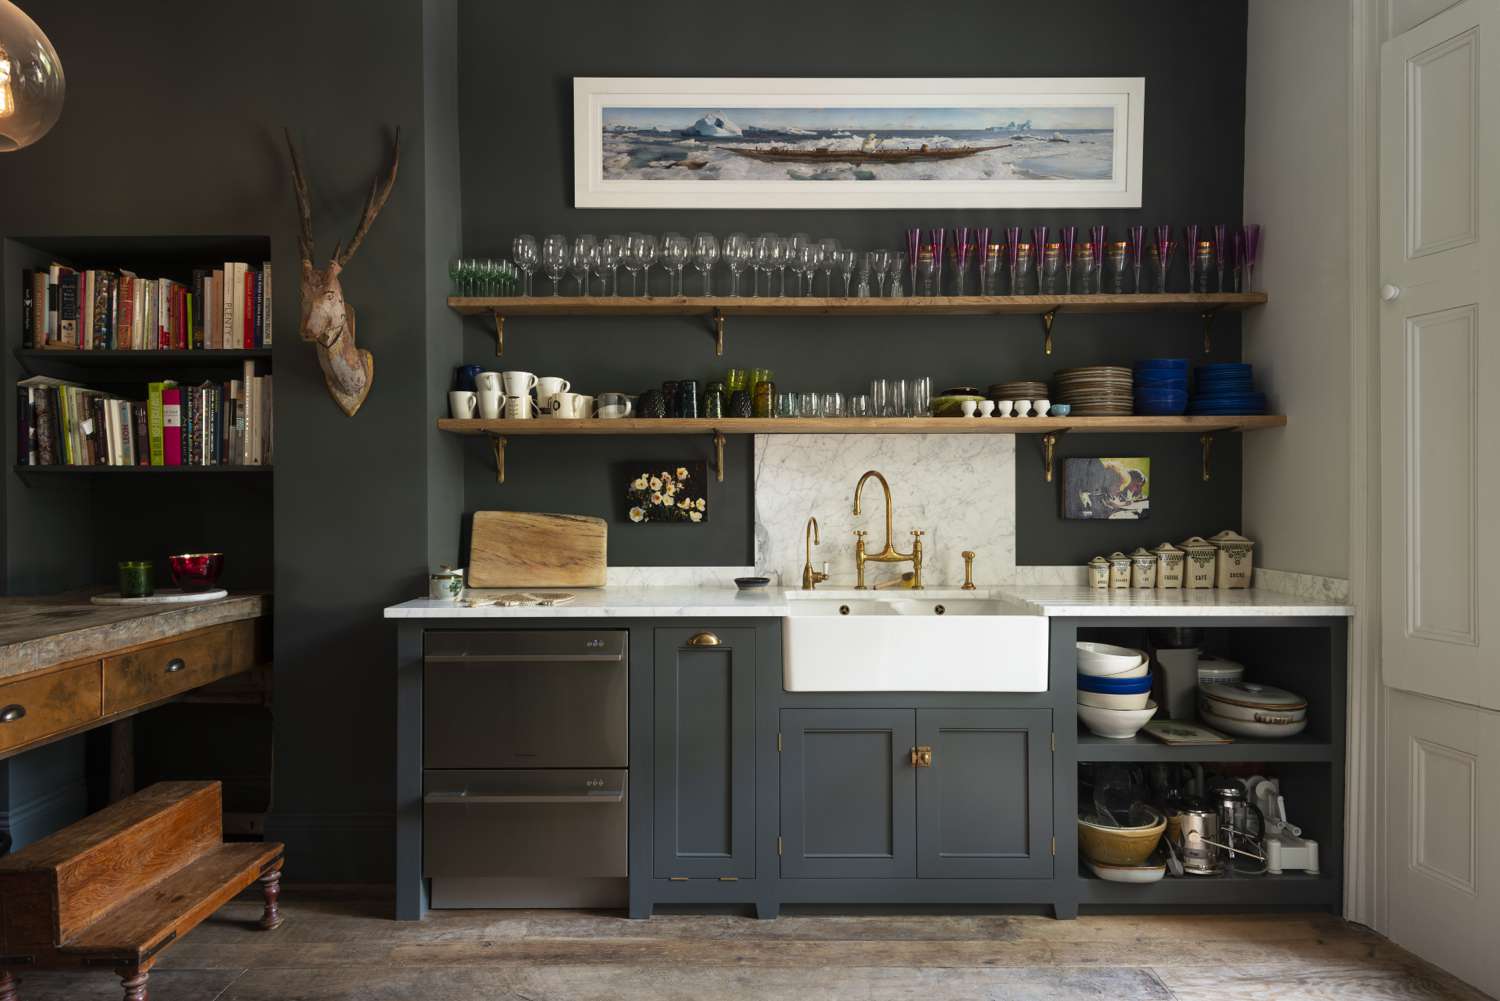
328,321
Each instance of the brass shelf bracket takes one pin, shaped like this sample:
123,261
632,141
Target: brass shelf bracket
719,455
499,332
718,320
498,443
1049,453
1208,325
1207,441
1047,319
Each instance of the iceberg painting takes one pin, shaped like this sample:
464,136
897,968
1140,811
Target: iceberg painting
899,143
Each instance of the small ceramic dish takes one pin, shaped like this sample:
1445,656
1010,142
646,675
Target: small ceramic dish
1245,727
1060,410
751,583
1116,724
1152,871
1107,700
1102,659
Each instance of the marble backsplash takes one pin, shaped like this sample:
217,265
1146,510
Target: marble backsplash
960,489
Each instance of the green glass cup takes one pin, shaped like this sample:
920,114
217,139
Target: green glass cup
736,379
135,578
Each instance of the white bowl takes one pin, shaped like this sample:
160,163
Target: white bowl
1111,700
1147,873
1117,724
1103,660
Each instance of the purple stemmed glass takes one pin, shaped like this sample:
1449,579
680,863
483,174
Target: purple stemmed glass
1012,250
937,240
913,245
1252,252
1221,248
982,239
1190,251
961,248
1068,237
1237,256
1163,256
1097,234
1137,237
1039,252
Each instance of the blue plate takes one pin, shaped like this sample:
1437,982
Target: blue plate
1225,366
1170,364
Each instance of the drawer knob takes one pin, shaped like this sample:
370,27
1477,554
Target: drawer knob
704,639
11,713
921,756
175,664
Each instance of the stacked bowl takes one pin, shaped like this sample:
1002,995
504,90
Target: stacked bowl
1114,690
1097,390
1225,388
1161,386
1246,709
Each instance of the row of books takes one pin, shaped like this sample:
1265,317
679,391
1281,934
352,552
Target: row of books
209,424
102,310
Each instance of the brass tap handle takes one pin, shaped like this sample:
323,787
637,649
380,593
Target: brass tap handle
968,555
917,533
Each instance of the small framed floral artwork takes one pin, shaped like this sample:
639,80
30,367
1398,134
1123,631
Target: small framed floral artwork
668,492
1106,489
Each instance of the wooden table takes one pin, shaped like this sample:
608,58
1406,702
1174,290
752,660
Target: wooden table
67,665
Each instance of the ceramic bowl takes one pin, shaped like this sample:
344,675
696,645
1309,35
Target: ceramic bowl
1110,700
1152,871
1115,685
751,583
1060,410
1120,846
1246,728
1104,659
196,571
1116,724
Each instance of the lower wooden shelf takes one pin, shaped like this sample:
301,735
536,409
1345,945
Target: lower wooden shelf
863,425
1145,748
1288,892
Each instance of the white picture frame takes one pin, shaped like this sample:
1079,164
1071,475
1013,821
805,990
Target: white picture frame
729,165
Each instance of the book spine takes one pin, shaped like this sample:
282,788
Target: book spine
171,426
248,340
140,412
260,310
226,336
46,426
265,276
28,302
125,314
103,281
155,424
67,309
39,309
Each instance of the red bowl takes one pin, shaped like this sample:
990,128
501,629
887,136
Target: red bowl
196,571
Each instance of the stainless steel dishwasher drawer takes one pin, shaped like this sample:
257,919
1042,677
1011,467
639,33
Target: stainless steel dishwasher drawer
569,823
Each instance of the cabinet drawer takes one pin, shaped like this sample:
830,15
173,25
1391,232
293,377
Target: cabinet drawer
158,672
49,704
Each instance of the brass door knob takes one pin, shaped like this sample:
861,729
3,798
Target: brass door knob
921,756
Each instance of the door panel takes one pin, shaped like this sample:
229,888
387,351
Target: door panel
984,807
705,753
1443,126
848,792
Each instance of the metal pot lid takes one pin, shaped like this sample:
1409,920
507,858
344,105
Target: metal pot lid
1253,696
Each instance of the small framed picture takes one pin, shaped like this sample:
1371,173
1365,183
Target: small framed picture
1106,489
667,492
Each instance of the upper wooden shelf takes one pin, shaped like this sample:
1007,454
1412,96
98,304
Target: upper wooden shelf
30,358
718,308
552,427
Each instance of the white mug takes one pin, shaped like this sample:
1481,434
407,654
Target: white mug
490,403
487,382
517,408
566,406
547,388
516,383
583,406
461,404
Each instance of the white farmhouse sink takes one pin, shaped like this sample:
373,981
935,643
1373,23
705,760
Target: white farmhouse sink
910,644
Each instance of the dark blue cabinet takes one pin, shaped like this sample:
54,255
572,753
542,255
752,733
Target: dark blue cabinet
984,804
704,752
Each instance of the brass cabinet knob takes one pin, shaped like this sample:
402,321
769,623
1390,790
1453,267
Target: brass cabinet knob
704,639
11,713
921,756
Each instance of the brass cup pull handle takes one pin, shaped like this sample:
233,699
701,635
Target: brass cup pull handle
704,639
11,713
175,664
921,756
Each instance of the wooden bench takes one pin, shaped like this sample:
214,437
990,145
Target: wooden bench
119,886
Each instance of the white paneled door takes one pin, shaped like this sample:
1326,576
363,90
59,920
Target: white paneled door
1440,468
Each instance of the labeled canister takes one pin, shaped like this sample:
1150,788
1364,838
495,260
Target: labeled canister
1235,562
1169,566
1199,566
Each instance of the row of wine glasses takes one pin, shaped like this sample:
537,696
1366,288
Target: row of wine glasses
472,276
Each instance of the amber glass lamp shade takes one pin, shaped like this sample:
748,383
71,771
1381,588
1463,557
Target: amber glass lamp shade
31,80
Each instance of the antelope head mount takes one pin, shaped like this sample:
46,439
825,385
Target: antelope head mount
328,321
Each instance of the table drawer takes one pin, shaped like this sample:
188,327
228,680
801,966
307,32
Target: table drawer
158,672
33,708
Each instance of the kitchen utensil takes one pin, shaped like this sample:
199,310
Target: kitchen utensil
163,596
1116,845
445,585
517,383
653,404
1169,568
1119,570
488,382
1115,685
1197,830
1004,408
1242,826
1259,703
1249,728
196,571
1202,555
669,396
1099,573
1103,659
547,389
967,407
466,377
985,408
1142,568
1116,724
522,549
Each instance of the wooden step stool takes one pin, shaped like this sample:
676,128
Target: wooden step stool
119,886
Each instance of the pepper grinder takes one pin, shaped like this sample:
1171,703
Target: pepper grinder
968,555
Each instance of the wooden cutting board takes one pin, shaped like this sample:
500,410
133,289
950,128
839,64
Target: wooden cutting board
521,549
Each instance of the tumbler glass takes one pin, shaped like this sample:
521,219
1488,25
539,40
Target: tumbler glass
760,401
921,396
1087,261
807,405
900,398
1116,266
859,406
758,376
880,398
786,404
736,379
833,403
1051,270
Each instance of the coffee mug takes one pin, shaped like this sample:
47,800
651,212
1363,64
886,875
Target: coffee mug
464,376
517,383
488,382
461,404
583,406
518,408
613,406
549,386
490,403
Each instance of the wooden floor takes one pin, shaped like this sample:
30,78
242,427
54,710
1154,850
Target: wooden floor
342,946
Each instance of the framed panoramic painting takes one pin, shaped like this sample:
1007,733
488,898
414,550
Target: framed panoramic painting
667,142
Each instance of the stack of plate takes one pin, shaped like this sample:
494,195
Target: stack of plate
1225,388
1020,389
1246,709
1161,386
1097,391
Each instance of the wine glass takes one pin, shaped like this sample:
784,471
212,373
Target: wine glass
829,247
523,249
848,260
648,251
926,270
630,256
610,249
880,262
581,259
705,256
456,276
762,250
796,243
808,261
776,248
895,271
555,259
675,258
737,253
601,264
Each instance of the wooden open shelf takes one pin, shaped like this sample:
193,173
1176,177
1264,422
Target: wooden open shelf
31,357
718,308
550,427
1142,747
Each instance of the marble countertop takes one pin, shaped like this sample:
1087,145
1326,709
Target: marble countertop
1063,602
38,632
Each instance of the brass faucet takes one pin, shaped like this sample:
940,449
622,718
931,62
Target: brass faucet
887,554
811,578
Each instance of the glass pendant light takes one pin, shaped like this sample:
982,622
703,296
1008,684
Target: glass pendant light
31,80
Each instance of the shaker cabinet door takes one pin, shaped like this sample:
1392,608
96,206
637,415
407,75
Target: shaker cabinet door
848,793
704,692
984,806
